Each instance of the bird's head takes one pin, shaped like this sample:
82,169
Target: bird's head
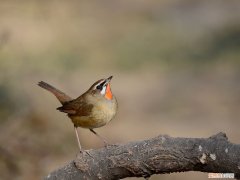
102,88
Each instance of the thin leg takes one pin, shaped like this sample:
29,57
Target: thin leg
79,144
104,140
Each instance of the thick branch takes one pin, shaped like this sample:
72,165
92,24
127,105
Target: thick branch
159,155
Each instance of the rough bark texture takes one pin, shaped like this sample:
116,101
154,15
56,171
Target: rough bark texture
159,155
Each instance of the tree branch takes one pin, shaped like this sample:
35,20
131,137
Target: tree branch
159,155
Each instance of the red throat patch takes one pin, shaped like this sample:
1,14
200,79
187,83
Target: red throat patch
108,94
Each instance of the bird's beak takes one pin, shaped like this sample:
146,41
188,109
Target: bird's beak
109,79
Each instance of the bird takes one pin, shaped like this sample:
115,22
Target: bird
93,109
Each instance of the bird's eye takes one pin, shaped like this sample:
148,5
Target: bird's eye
99,87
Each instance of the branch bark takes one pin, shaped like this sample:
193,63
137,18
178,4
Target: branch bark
159,155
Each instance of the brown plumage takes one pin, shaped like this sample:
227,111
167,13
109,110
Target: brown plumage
62,97
93,109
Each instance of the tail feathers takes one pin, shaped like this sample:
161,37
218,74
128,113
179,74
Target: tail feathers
62,97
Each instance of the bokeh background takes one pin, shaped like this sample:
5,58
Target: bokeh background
176,68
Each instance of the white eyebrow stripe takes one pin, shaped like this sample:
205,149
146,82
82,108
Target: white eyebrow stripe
99,83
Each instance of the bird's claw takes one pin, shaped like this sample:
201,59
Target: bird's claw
109,145
81,152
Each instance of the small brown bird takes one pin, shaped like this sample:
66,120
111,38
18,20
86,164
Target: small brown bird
93,109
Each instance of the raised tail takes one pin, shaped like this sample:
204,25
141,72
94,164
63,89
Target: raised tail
62,97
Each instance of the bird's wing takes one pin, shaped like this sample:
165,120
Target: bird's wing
77,107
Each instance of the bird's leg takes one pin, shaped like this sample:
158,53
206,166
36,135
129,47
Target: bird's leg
79,144
103,139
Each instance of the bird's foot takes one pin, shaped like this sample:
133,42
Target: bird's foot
108,145
88,153
81,153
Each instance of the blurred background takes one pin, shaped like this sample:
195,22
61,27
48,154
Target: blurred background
176,68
